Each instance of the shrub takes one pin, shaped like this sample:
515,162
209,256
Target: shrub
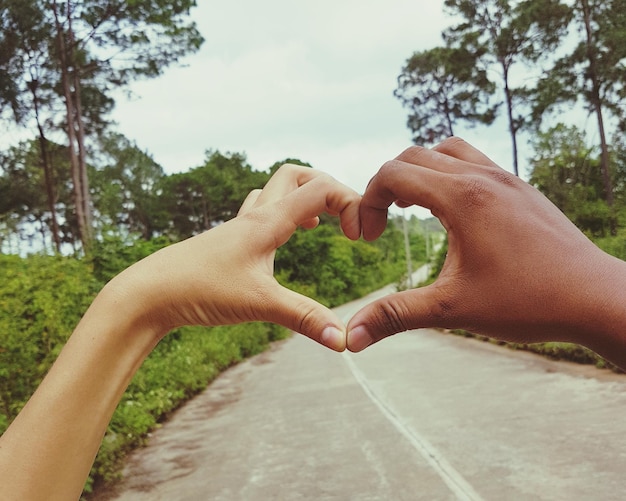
42,298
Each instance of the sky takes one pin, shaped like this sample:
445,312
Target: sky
284,79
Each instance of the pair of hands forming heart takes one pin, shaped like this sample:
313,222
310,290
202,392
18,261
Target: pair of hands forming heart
508,272
516,269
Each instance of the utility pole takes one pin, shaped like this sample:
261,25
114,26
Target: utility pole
407,249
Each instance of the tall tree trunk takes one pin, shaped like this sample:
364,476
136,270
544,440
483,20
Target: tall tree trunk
65,60
80,137
449,119
596,103
509,109
47,170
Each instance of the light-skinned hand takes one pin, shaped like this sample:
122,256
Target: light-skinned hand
225,275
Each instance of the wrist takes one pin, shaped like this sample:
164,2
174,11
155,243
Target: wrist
601,309
139,304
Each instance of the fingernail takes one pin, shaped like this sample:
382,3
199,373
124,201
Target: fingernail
359,338
334,338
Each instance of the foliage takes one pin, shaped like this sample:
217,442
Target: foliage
592,71
441,87
209,194
111,254
503,34
593,74
71,55
566,170
23,198
126,189
614,245
323,264
41,300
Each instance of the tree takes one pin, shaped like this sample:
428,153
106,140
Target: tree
594,73
505,33
127,189
210,194
565,169
441,87
27,84
91,48
23,197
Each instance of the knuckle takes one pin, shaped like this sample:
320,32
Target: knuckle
482,190
451,145
306,320
412,154
392,317
476,192
390,169
441,312
501,176
287,169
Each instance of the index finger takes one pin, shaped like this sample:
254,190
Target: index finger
398,180
289,178
321,194
286,179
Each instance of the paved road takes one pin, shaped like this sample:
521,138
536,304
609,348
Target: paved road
422,415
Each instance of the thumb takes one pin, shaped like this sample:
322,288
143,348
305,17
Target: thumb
399,312
306,316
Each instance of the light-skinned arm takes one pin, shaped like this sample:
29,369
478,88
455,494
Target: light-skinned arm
517,268
223,276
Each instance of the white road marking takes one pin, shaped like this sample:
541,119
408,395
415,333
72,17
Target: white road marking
452,478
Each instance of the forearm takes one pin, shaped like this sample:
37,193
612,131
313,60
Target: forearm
48,450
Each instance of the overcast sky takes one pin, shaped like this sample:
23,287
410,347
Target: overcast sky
279,78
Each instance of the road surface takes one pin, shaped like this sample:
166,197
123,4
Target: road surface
422,415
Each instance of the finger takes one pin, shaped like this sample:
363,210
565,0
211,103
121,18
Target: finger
310,224
403,204
321,194
249,202
286,179
442,157
457,148
398,312
398,180
306,316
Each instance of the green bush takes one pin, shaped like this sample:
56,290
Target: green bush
41,300
111,253
333,270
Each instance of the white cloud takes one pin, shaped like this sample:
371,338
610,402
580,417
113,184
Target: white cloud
277,79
